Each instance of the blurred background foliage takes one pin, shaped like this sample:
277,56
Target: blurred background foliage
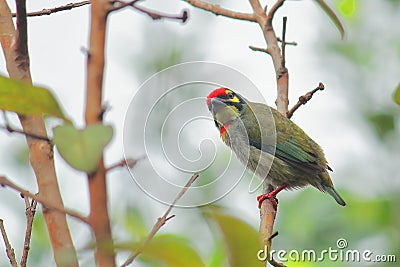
366,65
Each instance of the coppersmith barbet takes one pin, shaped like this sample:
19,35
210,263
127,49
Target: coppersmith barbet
251,130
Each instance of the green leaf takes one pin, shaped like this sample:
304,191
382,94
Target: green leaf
383,123
241,240
333,16
135,224
82,149
26,99
172,250
396,95
347,8
360,55
218,256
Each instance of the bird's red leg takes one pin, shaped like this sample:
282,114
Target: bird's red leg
271,196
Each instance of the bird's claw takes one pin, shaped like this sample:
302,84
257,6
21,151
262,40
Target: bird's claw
269,196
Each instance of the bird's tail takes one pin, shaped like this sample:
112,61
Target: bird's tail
331,191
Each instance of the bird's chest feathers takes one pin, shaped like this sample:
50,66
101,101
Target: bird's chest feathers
224,131
223,119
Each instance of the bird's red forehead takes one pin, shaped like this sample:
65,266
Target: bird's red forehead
215,93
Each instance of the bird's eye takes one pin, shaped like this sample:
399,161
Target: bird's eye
230,95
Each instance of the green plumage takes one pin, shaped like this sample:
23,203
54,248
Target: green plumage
272,146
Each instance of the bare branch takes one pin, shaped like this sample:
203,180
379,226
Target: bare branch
10,129
49,11
286,42
155,15
161,221
35,136
9,249
30,209
304,99
259,49
125,162
219,11
46,204
283,64
267,210
275,8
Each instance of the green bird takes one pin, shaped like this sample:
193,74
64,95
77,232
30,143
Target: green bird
270,145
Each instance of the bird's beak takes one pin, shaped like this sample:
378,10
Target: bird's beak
217,104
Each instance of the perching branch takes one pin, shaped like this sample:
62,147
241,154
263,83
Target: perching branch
304,99
30,210
161,221
49,11
9,249
47,204
219,11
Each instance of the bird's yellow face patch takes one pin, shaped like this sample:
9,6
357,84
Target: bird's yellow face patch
235,99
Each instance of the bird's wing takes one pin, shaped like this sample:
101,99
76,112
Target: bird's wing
296,156
292,145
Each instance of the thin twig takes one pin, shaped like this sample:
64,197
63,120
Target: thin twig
49,11
160,221
259,49
283,64
125,162
10,129
219,11
286,42
46,204
304,99
32,135
30,209
9,249
155,15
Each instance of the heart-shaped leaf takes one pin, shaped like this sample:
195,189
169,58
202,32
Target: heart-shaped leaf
26,99
82,149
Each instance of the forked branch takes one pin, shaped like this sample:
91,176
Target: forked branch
46,204
30,210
